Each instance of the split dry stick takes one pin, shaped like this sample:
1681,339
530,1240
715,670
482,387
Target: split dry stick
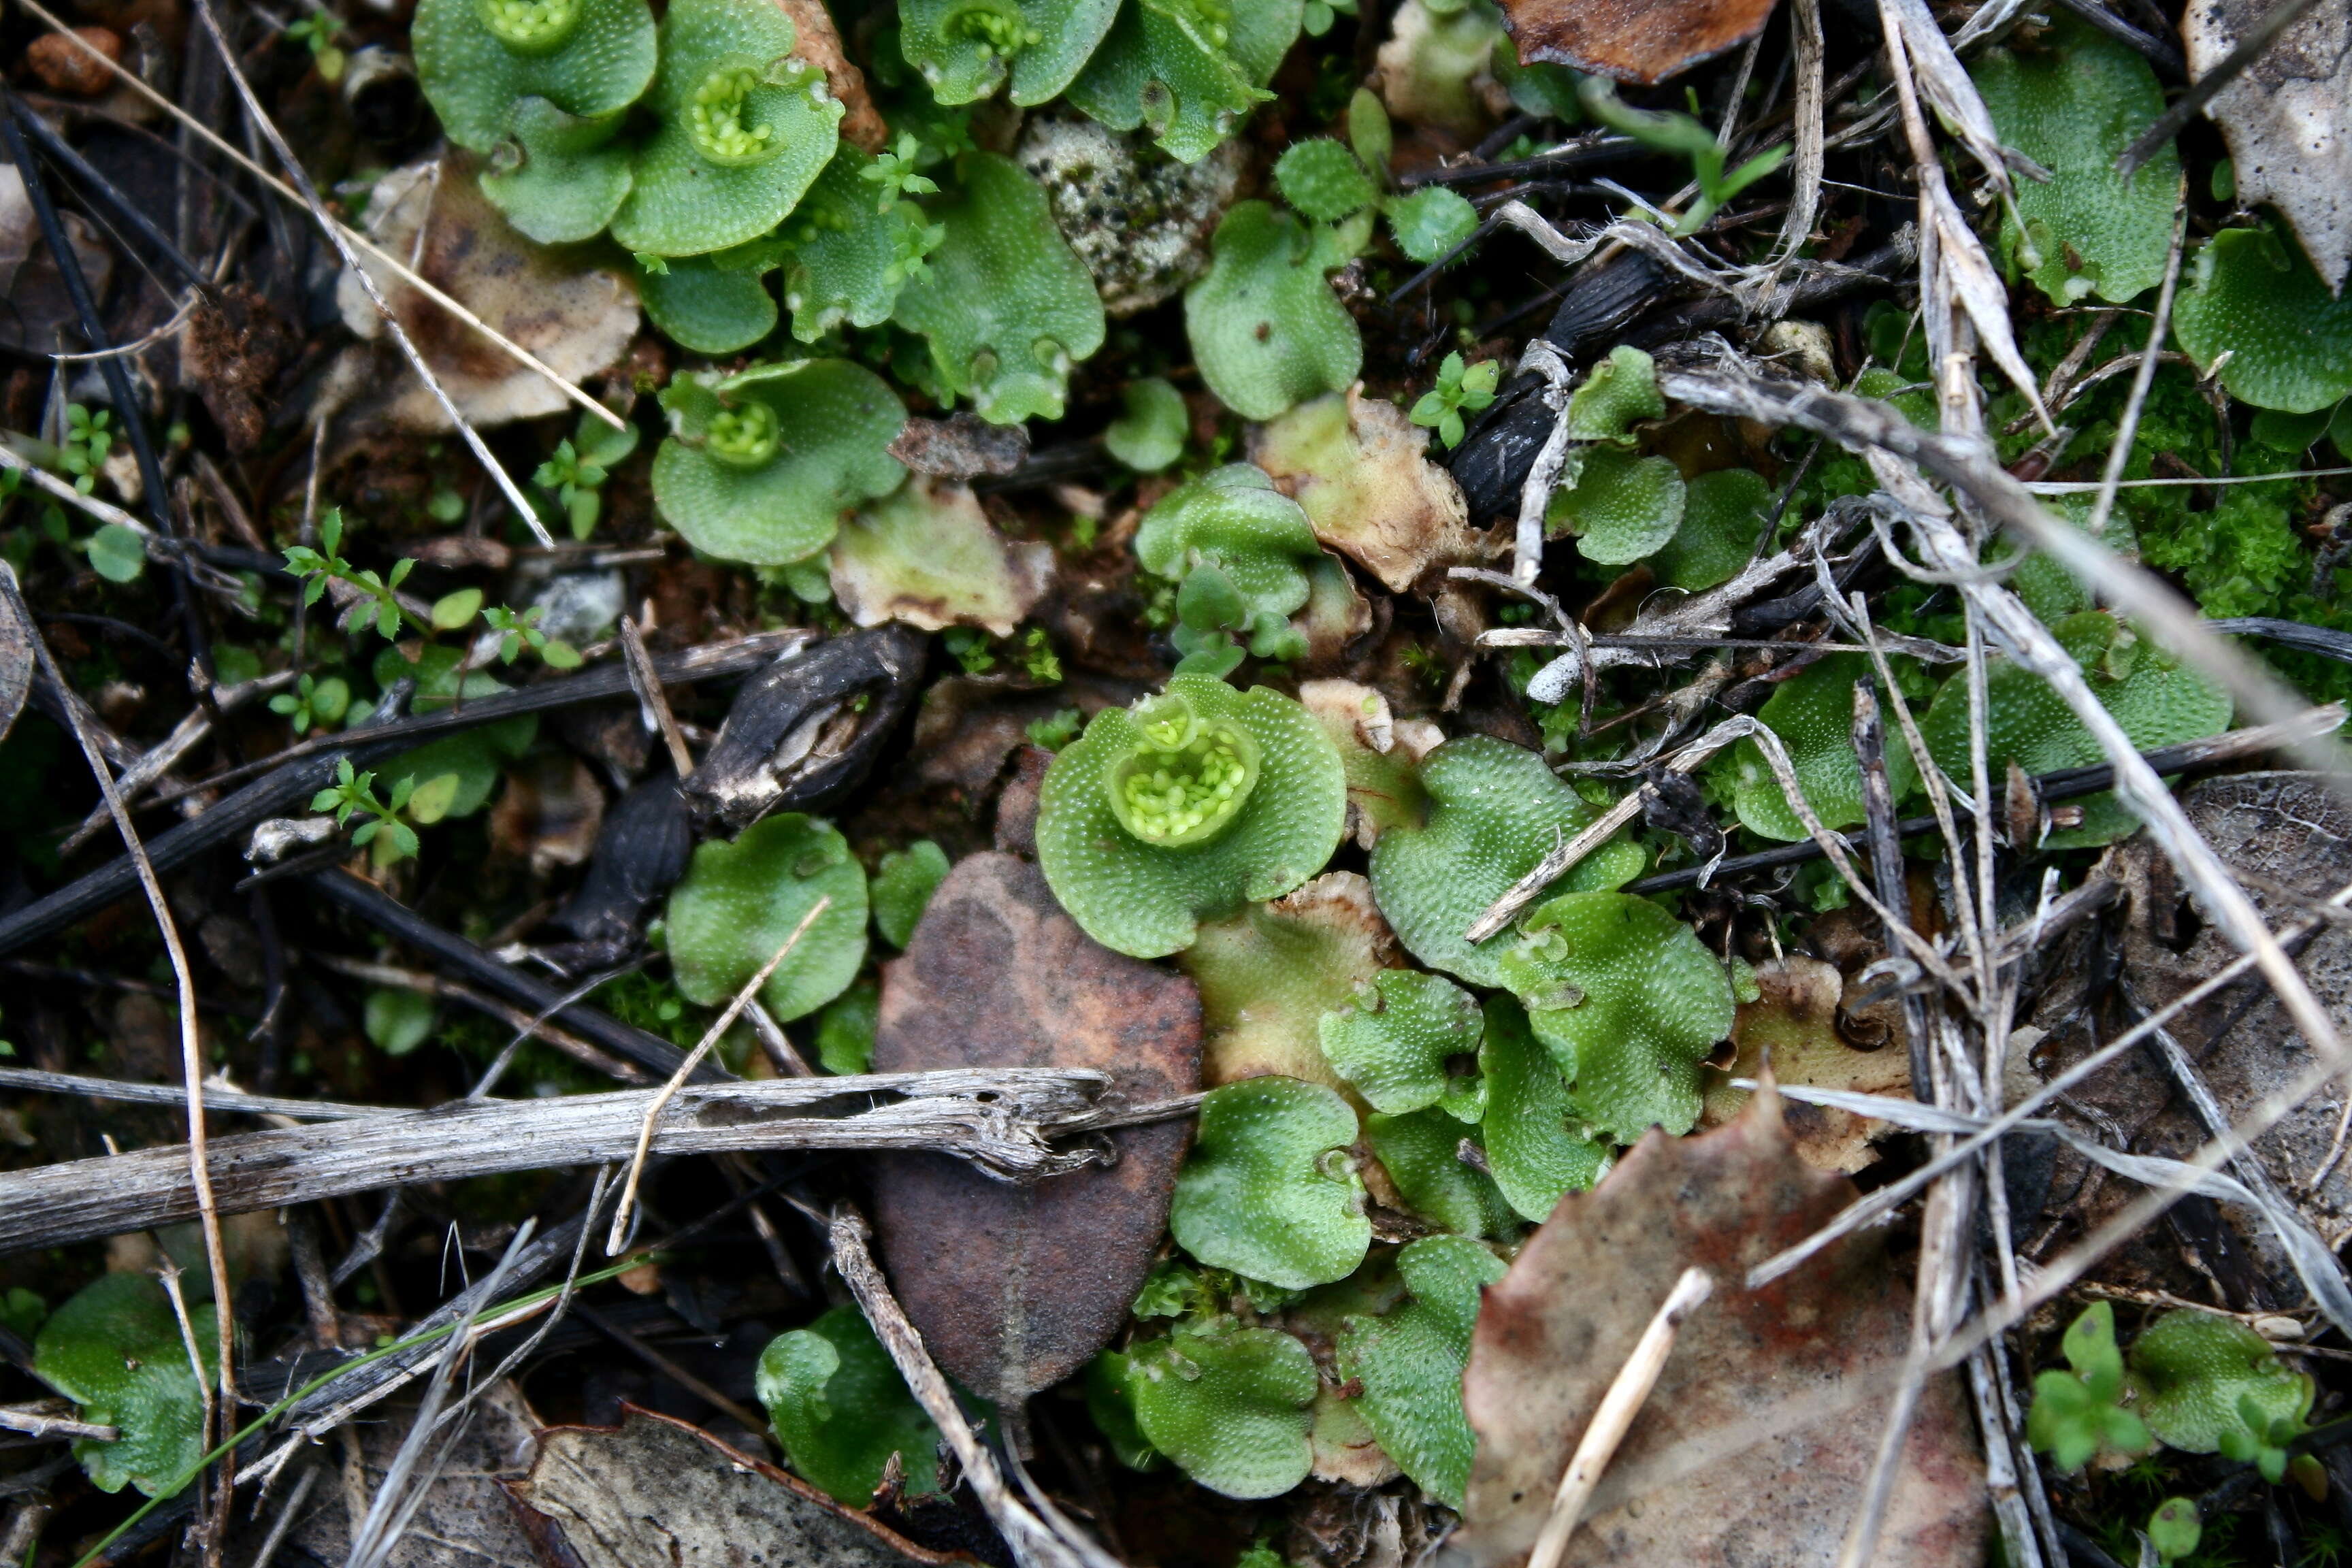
37,1423
184,980
2144,377
334,233
1035,1542
668,1091
1614,1417
398,268
653,704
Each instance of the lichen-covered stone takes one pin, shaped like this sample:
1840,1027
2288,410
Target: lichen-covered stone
1139,219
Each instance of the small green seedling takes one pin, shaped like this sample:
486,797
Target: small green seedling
1393,1043
1671,132
738,904
903,885
2175,1528
1269,1190
2077,1414
89,437
575,475
1409,1361
760,465
1151,435
314,702
397,1021
1006,305
1629,1002
1228,1404
318,32
355,795
1529,1132
1265,329
519,630
1494,810
2206,1383
116,1350
1188,804
1441,406
841,1410
842,266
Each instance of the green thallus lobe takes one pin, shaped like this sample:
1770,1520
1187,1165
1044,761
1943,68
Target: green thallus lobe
1186,783
531,27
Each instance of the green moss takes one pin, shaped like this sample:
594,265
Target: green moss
116,1350
1393,1042
1535,1144
1411,1361
2255,297
2196,1379
1812,714
2157,699
841,1410
1229,1405
1127,876
475,79
1189,70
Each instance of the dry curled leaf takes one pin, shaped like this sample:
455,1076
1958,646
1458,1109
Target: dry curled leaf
2288,119
655,1489
1014,1287
1791,1030
1753,1448
928,556
1362,472
1633,40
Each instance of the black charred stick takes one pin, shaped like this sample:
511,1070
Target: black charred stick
452,951
1492,463
2067,783
1886,866
290,785
804,730
102,190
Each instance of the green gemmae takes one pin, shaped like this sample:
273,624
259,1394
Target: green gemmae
533,26
1184,781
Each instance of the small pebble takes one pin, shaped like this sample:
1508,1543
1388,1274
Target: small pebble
62,67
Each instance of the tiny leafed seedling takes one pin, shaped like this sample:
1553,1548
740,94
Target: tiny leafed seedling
1457,389
2078,1413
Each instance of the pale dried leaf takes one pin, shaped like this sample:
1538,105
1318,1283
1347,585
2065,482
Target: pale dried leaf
2288,119
1791,1031
576,315
1752,1447
928,556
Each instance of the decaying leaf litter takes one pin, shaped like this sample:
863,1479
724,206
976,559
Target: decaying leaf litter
1457,727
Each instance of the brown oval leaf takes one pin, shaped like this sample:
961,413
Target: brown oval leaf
1753,1449
1014,1287
1643,41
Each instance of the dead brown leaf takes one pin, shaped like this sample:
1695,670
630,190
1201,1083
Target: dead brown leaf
2288,119
570,306
550,812
463,1522
231,351
1015,1287
1792,1030
928,556
654,1490
1643,41
1747,1451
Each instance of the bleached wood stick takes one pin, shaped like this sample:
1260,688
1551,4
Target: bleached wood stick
998,1119
1615,1416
